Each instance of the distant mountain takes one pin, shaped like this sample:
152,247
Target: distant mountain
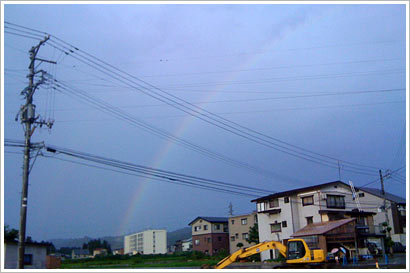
118,241
179,234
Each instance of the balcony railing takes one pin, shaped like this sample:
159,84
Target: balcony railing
369,229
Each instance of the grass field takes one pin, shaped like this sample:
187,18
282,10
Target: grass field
190,260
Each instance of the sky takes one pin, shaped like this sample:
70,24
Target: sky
323,78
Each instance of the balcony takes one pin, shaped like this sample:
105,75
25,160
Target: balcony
368,230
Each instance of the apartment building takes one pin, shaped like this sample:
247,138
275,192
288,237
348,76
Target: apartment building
238,227
146,242
210,234
283,214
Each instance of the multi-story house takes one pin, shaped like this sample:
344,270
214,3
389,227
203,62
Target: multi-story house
396,211
210,234
238,227
146,242
283,214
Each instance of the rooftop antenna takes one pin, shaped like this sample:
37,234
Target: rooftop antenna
355,196
230,209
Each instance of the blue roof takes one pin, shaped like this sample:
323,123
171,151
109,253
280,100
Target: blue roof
211,219
389,196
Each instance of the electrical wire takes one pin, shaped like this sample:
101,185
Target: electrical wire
149,172
200,113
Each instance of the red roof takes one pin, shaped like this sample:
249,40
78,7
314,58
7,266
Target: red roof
321,228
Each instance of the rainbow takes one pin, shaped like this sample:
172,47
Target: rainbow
161,154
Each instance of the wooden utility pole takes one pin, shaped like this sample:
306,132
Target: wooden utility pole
28,118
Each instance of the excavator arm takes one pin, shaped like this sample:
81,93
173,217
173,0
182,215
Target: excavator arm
246,252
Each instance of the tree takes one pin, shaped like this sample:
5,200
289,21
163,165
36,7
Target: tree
10,234
240,245
253,234
97,243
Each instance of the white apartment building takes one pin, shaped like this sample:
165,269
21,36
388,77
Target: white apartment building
146,242
284,213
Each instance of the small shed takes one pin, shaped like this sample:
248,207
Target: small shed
327,235
34,255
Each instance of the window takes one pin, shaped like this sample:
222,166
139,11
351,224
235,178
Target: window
361,194
219,238
225,228
233,238
261,206
209,240
28,259
284,224
335,201
236,235
309,220
245,236
195,228
307,200
232,222
361,221
286,200
205,227
275,227
274,203
244,221
217,226
197,242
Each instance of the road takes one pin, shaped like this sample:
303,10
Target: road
398,261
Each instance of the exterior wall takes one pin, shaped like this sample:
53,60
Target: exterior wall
11,256
146,242
53,262
200,227
374,203
210,243
238,228
187,246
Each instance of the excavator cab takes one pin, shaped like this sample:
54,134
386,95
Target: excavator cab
299,252
296,250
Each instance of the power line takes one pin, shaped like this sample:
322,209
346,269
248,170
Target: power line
124,116
202,114
147,172
161,99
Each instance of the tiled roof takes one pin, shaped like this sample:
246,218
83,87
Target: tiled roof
321,228
211,219
389,196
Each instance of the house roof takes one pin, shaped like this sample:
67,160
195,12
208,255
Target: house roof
211,219
389,196
321,228
290,192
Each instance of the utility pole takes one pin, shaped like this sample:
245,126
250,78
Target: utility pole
28,119
385,210
384,197
338,165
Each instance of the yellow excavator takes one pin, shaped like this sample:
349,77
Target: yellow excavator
296,252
